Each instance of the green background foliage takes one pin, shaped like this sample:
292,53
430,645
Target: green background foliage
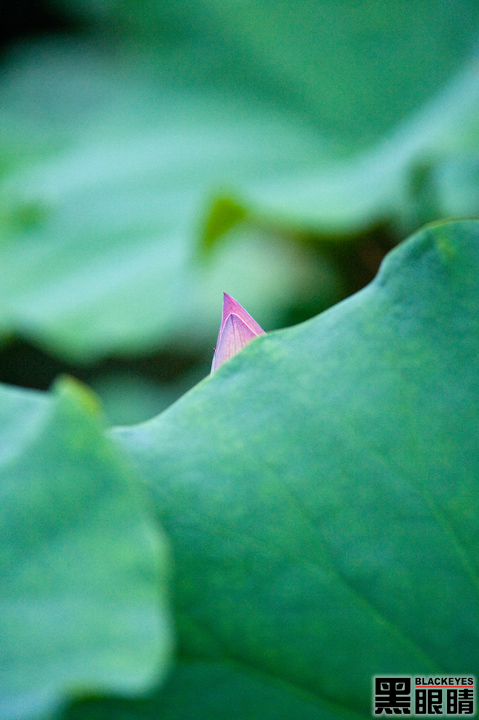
159,132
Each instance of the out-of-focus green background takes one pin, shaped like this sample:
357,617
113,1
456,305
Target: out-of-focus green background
154,154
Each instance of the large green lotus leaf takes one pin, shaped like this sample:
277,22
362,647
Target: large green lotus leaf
228,690
83,566
100,238
320,488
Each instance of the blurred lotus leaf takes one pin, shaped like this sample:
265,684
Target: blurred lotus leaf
124,155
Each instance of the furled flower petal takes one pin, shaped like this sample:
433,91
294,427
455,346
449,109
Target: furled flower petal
236,330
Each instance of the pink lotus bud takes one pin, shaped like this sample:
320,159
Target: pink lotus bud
236,330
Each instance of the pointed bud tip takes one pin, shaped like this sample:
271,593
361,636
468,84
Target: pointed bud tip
237,329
